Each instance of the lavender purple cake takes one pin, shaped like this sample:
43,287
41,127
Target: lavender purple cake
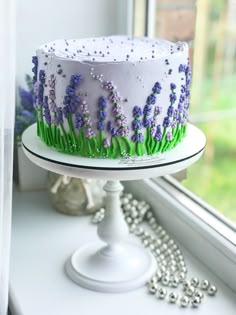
112,97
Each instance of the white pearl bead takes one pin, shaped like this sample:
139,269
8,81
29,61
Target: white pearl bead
205,284
152,288
165,280
212,290
199,294
190,291
195,281
184,301
161,293
195,301
173,297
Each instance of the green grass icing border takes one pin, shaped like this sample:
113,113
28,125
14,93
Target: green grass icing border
75,142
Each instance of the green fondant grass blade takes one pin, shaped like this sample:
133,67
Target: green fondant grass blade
114,148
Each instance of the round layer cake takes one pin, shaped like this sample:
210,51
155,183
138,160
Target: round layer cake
112,97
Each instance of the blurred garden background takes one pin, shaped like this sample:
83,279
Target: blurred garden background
209,26
213,104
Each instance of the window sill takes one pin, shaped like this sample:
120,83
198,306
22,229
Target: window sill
43,239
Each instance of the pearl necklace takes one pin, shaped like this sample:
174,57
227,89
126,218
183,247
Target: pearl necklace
172,270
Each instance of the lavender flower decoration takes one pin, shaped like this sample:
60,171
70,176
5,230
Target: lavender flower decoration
106,143
41,87
52,97
157,88
59,115
166,122
137,125
120,118
169,136
157,111
46,111
87,123
158,134
71,99
151,100
35,68
78,121
137,111
102,114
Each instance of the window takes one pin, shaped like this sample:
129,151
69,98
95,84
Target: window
209,28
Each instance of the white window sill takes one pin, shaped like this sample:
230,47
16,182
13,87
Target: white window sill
43,239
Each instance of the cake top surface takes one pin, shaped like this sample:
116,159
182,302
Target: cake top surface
112,49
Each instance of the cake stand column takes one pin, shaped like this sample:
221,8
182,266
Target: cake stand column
113,228
118,265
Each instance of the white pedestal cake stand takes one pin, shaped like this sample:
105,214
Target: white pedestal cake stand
118,265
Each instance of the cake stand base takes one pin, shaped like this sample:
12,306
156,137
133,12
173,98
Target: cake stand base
94,268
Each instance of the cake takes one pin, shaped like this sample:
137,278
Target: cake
112,97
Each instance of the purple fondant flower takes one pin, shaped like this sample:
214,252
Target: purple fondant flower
71,100
35,60
113,132
52,95
100,125
136,124
147,110
170,111
173,86
158,136
106,143
174,124
137,138
47,115
140,137
109,126
169,136
123,131
137,111
46,111
166,122
102,115
54,120
157,110
102,103
182,98
90,134
75,80
157,88
53,107
181,68
42,76
151,100
172,97
35,68
78,120
59,115
70,90
147,122
183,88
45,102
158,130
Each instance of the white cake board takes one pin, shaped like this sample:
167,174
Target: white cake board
120,265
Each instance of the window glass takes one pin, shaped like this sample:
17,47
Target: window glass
210,28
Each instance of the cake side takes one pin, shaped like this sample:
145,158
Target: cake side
117,104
